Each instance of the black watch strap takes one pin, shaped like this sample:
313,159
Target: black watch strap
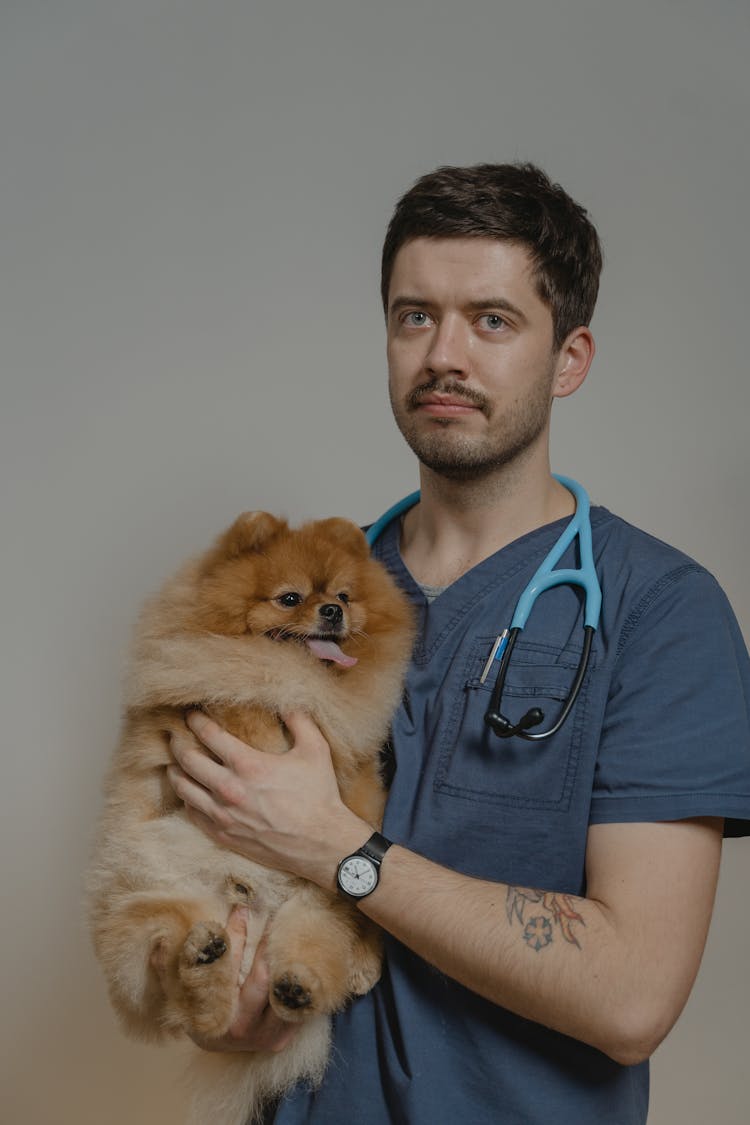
376,847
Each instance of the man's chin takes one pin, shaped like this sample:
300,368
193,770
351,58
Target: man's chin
456,464
451,452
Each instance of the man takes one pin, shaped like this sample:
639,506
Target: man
547,902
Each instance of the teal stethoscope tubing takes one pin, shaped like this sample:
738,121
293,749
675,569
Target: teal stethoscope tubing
544,578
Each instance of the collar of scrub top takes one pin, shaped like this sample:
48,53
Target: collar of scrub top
544,578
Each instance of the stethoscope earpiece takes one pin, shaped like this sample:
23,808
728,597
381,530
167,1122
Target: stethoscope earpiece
498,724
532,718
503,728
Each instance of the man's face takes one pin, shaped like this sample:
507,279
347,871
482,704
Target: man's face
470,354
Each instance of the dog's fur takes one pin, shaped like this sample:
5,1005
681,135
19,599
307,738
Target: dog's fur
220,637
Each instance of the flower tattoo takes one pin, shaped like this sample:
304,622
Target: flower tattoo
538,933
558,912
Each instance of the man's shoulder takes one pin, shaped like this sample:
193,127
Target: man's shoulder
618,542
645,579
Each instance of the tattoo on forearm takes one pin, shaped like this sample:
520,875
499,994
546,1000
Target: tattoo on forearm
548,913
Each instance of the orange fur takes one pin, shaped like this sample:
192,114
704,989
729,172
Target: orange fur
224,635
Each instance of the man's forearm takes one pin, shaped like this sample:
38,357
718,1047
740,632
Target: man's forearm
548,957
615,977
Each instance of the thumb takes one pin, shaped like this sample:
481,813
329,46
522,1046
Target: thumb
237,932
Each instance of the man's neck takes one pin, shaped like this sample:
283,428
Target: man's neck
458,524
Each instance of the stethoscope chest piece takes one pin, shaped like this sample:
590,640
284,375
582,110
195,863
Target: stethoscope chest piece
503,727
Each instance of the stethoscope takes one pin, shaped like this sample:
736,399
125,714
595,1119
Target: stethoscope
544,579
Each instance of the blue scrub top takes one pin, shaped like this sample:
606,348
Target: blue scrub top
659,732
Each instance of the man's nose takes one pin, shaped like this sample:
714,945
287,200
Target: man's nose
448,354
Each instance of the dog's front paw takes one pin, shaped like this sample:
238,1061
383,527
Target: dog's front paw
365,976
367,962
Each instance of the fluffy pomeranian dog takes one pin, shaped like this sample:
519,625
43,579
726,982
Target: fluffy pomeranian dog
268,621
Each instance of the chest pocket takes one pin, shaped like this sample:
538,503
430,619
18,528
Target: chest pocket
475,764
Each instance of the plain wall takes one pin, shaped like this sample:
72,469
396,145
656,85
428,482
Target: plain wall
192,201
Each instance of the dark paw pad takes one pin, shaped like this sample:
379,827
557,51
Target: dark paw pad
289,992
212,951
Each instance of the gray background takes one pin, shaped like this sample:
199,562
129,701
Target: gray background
192,199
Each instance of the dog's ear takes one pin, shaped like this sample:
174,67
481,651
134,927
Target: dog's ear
250,532
346,534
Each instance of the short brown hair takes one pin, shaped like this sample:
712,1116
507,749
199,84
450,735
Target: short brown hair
514,203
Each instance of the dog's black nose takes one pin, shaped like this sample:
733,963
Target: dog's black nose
333,614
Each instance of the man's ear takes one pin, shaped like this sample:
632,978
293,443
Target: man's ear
573,362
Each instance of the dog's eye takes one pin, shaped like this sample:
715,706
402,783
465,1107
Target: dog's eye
290,600
343,598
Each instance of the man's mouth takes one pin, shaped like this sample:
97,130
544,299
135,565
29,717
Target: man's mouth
448,403
443,406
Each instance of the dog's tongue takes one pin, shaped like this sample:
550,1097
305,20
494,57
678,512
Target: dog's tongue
329,650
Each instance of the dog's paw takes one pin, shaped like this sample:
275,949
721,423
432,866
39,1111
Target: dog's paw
366,961
294,993
206,943
207,980
364,977
291,993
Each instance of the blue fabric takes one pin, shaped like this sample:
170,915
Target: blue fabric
660,732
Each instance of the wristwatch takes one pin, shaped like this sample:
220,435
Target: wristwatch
358,874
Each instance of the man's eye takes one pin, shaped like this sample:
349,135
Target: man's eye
290,599
493,322
416,319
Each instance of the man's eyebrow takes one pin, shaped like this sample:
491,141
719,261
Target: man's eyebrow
407,302
501,303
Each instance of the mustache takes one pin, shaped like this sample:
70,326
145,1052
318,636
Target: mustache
455,390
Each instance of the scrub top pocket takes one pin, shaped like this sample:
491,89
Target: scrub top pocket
475,763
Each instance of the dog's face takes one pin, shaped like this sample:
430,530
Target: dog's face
317,585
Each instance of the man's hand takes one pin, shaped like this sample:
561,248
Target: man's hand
256,1027
282,810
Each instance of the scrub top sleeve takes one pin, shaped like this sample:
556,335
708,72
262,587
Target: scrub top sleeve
676,733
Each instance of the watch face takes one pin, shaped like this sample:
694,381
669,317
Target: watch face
358,875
